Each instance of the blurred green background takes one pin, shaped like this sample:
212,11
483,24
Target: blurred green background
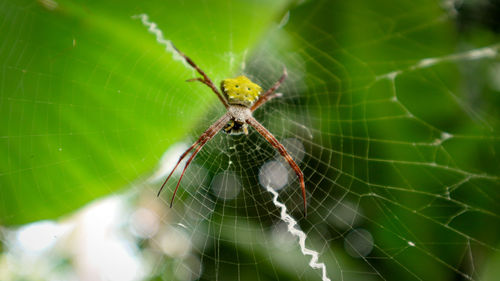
394,106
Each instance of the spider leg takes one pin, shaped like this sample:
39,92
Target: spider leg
185,167
205,80
269,94
200,80
281,149
205,137
178,162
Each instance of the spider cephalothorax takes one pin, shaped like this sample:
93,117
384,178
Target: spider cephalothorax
237,124
241,97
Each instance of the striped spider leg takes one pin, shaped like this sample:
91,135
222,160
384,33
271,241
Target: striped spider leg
281,149
205,80
204,138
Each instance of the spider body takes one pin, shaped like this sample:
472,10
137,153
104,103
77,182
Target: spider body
237,124
240,96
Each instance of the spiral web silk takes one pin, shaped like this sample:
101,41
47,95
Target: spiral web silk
291,222
380,195
228,187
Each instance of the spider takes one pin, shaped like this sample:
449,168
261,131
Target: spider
241,97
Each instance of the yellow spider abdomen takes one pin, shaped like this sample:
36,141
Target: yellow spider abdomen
240,90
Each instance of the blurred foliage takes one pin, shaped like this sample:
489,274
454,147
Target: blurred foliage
73,126
76,130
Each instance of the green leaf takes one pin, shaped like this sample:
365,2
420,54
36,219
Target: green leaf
89,99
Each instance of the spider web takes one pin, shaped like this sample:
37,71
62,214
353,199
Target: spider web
399,154
341,164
